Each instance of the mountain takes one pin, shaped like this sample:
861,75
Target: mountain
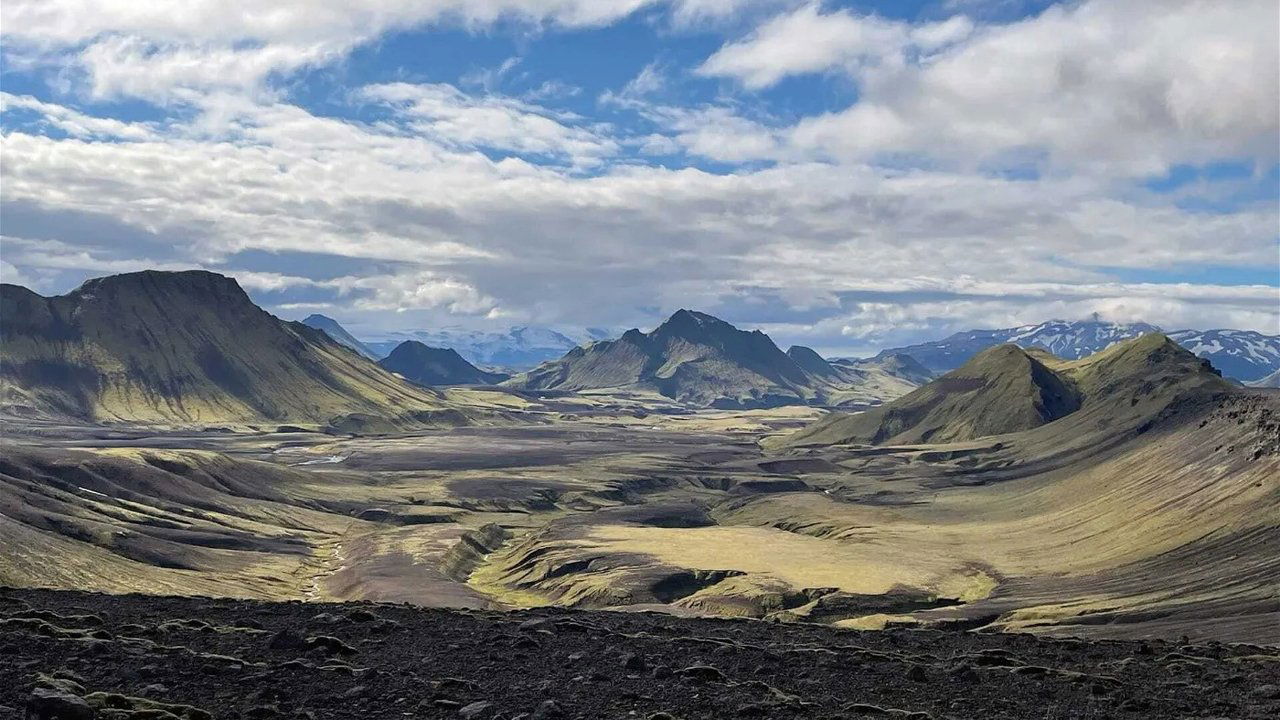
435,366
519,348
692,357
1008,389
187,347
1241,354
703,361
1270,381
339,333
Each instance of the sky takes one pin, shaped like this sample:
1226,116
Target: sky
845,175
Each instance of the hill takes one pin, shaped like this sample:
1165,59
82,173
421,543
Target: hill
703,361
1007,389
1242,354
435,366
186,347
339,333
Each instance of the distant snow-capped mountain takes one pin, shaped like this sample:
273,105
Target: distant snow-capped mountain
1065,339
1241,354
1074,340
518,348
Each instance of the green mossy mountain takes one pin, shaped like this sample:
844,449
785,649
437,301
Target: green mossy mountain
190,348
1007,389
427,365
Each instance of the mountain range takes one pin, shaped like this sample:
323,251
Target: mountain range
188,347
1241,354
517,348
703,361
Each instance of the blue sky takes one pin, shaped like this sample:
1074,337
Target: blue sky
849,175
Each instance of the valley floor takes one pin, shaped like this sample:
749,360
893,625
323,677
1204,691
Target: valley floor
605,505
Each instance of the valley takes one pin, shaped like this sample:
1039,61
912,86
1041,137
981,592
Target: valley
585,505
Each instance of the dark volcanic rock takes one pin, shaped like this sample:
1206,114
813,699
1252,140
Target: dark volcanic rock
436,664
50,704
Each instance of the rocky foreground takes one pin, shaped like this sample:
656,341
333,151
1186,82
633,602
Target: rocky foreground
74,655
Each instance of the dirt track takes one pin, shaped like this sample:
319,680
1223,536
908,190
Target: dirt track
149,657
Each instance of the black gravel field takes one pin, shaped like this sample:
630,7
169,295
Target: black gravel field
76,655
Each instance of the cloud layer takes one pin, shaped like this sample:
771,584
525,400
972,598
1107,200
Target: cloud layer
980,175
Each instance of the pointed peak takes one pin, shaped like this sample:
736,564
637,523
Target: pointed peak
687,321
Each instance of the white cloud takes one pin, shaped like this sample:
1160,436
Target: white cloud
807,40
470,234
14,276
1108,86
418,291
444,113
417,220
164,51
75,123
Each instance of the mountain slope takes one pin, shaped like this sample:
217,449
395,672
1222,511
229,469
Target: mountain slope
1241,354
1007,389
339,333
186,347
435,366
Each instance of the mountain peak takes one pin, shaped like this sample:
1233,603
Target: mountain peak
691,318
809,360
